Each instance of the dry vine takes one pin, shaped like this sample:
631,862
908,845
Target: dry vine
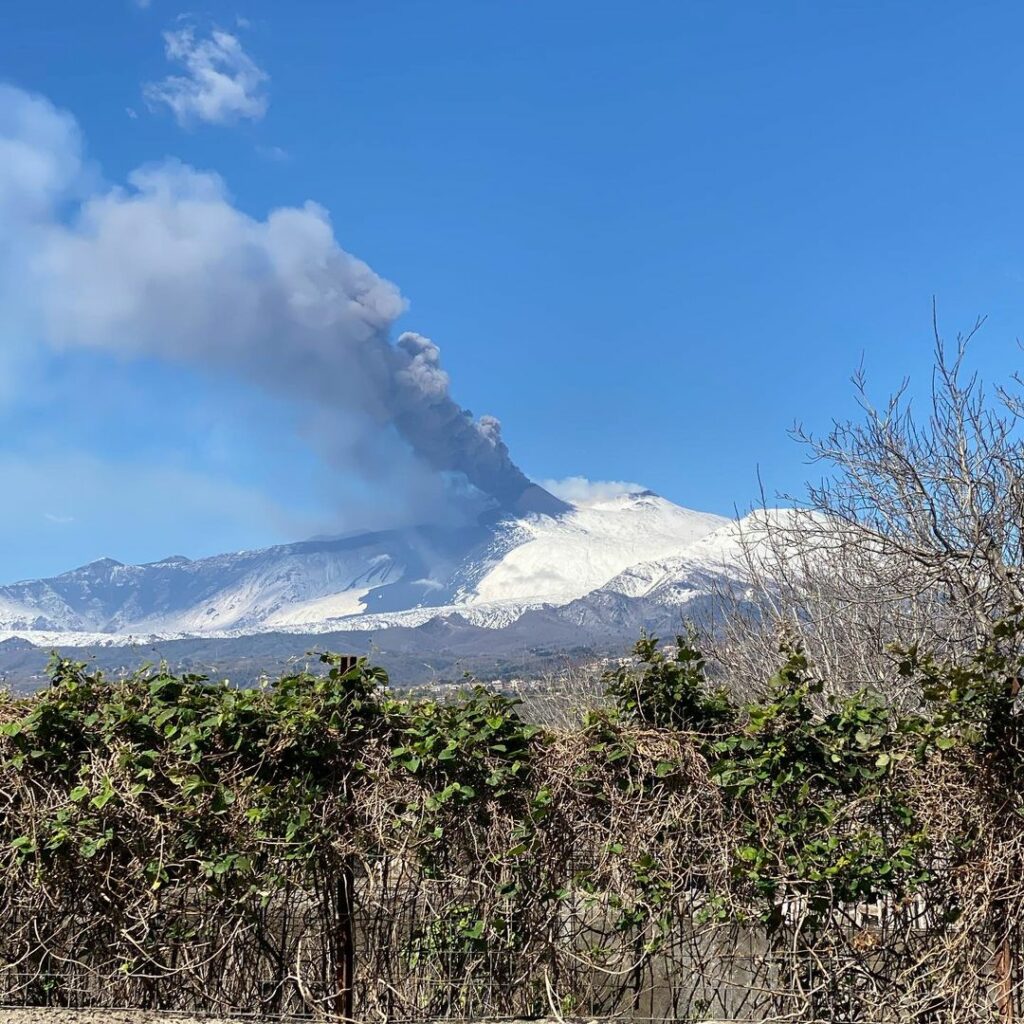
323,847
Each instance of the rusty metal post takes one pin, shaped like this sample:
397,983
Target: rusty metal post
346,946
1004,981
345,943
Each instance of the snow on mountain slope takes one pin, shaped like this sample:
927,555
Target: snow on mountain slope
717,558
541,560
248,590
332,606
489,574
567,557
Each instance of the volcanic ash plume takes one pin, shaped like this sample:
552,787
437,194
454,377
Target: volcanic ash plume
447,438
168,267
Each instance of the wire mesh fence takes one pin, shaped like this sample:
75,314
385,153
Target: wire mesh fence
323,849
287,959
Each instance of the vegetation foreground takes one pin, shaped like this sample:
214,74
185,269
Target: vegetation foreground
323,845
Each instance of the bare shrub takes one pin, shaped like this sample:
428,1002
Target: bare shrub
561,699
912,538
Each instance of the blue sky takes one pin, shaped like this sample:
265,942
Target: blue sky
645,237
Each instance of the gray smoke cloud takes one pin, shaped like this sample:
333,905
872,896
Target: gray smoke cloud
167,266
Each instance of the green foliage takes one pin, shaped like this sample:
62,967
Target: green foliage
161,780
183,750
825,817
478,744
668,692
975,701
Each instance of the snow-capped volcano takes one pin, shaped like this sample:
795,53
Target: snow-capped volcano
611,561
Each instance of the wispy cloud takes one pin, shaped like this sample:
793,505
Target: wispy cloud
580,491
185,511
275,154
221,82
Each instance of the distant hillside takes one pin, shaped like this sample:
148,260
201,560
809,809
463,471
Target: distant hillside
434,600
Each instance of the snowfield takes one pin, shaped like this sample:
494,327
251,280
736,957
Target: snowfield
568,557
618,557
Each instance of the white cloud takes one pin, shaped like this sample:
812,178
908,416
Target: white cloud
52,517
221,83
578,490
40,156
41,166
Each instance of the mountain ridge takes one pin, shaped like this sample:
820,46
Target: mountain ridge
592,572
